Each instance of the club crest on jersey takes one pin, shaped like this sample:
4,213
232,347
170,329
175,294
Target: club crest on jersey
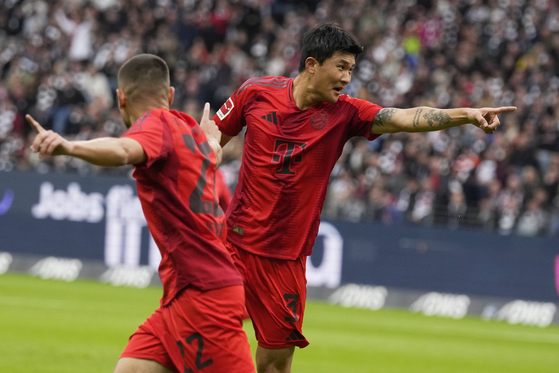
225,109
318,121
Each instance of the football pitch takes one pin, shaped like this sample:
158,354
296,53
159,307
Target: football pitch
83,326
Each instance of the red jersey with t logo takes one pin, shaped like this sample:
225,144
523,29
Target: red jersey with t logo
176,186
287,160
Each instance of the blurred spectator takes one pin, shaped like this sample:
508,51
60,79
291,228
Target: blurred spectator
457,210
533,220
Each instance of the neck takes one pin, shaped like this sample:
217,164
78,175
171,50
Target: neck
303,92
136,112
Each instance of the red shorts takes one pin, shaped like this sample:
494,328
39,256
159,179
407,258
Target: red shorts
197,332
276,291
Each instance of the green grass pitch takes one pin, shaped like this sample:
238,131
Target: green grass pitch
82,326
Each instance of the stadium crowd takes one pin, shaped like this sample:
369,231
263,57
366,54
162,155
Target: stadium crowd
59,60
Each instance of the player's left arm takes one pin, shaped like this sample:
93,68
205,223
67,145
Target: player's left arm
424,119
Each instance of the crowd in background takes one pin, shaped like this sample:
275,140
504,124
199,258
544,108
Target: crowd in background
59,60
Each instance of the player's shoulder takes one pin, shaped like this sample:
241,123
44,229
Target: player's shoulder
267,83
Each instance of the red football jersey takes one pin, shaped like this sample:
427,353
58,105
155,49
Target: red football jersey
223,192
288,156
176,186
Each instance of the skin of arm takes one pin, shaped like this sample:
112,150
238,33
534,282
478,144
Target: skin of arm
225,139
424,119
106,151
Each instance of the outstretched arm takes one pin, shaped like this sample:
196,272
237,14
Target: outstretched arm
106,151
424,119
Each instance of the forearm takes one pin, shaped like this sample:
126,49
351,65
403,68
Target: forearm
419,119
106,152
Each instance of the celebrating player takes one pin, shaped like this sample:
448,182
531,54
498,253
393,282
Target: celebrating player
296,130
198,327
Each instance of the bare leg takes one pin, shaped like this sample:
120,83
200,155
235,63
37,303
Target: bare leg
274,360
131,365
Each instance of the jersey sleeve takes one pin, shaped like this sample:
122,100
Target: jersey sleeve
229,118
363,118
148,131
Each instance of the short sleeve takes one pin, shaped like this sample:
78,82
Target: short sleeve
363,118
148,131
229,118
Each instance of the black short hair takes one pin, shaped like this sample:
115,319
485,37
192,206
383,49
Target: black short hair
323,41
144,75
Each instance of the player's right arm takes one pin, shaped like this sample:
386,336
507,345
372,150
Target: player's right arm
229,118
225,139
107,151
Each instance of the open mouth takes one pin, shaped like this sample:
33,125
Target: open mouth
338,89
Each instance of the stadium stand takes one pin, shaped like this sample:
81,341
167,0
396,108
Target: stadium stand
59,59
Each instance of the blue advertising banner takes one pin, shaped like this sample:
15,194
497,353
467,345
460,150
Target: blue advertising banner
100,219
451,261
76,217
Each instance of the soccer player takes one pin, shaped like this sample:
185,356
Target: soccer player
198,326
295,132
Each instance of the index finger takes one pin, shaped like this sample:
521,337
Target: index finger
504,109
34,124
206,113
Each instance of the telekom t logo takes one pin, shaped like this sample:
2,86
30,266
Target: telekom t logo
285,152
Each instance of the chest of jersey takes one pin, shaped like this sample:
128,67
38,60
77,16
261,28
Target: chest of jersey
286,139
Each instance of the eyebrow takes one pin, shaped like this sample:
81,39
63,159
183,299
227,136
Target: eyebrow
345,62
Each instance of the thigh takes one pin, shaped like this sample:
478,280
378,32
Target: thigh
275,294
146,346
132,365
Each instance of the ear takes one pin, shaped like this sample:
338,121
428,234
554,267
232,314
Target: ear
310,64
171,95
121,98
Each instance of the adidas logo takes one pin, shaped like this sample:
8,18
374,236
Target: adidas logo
272,117
295,336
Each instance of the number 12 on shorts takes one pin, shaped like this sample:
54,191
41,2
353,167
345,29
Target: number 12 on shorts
199,363
292,300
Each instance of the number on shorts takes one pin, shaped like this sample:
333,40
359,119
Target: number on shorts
199,363
292,299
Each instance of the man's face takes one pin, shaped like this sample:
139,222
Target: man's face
332,77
